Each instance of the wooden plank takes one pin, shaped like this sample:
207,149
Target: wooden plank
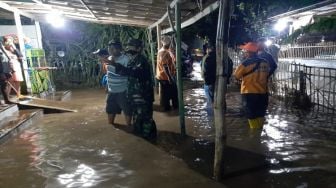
155,3
89,18
159,7
129,13
64,13
142,10
131,18
120,22
47,104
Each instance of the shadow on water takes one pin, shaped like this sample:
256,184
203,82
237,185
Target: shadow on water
298,147
199,155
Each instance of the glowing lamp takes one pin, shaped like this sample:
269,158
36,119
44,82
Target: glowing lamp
55,19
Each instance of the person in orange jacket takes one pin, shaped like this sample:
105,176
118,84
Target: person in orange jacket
254,73
166,75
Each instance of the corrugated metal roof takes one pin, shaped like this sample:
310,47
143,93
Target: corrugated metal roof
141,13
319,9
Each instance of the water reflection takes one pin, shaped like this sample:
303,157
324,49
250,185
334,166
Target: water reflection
303,139
196,109
84,176
196,74
295,136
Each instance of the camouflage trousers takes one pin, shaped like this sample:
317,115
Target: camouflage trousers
143,122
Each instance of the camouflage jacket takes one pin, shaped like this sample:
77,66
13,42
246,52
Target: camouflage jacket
140,80
5,66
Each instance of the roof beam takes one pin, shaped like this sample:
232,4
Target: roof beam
157,6
128,8
13,9
165,16
212,7
88,8
129,13
118,22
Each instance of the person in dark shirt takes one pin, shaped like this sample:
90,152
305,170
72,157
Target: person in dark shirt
140,90
209,74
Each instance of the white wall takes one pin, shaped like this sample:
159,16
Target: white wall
28,31
301,22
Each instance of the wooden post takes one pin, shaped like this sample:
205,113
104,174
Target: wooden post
158,33
179,67
151,44
158,37
38,34
23,50
221,84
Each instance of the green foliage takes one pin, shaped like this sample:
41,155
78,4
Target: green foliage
39,81
255,13
80,40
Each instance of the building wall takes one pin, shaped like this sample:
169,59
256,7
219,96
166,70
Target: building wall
301,22
28,31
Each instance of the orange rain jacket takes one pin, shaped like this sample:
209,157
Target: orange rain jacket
165,57
254,73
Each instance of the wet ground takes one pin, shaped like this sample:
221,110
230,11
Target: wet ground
294,149
325,63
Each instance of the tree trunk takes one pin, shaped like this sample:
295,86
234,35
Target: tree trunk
221,84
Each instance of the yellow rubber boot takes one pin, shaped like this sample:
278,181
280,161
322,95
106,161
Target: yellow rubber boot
261,121
256,123
253,123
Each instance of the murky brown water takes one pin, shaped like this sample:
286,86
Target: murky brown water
295,149
81,150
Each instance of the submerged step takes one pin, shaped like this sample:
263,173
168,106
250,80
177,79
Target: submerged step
7,110
12,125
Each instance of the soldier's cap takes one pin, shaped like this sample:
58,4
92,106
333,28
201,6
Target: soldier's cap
250,47
101,52
135,43
114,42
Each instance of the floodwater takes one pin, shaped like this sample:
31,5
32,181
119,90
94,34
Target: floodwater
325,63
294,149
82,150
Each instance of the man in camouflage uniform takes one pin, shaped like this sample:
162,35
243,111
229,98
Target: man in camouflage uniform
140,90
5,73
